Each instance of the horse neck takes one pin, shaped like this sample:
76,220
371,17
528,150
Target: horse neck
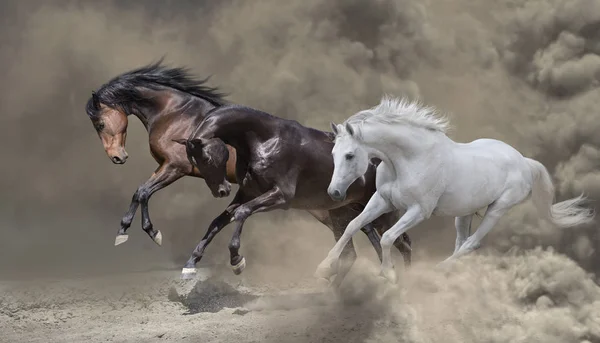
398,144
233,124
167,102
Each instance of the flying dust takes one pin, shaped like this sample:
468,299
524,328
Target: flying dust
523,71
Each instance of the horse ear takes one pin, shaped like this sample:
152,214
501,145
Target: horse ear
350,129
195,142
95,100
334,128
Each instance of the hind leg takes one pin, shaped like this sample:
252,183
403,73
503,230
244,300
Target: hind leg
493,214
404,245
463,230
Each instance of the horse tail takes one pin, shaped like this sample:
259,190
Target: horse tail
563,214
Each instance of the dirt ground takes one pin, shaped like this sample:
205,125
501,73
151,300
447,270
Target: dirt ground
535,296
526,72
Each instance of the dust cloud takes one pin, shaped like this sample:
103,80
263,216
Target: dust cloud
523,71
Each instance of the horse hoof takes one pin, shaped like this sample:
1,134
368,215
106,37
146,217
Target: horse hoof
158,238
323,282
442,266
324,271
120,239
188,273
239,268
389,276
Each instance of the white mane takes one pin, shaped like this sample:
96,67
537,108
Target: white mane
400,111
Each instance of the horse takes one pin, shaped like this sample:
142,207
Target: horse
170,102
426,173
280,164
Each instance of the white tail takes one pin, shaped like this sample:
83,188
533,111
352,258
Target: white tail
565,213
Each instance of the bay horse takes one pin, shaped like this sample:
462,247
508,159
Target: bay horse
280,164
426,173
170,102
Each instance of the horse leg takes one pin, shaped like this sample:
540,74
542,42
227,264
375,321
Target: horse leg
189,269
374,238
412,217
265,202
162,177
403,243
493,214
349,253
347,259
463,230
374,208
340,218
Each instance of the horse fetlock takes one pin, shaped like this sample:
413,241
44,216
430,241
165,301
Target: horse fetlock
239,267
125,224
459,243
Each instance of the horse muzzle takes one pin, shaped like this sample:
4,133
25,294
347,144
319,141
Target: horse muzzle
336,195
223,190
118,157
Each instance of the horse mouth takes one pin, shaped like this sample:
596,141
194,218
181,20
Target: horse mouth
118,160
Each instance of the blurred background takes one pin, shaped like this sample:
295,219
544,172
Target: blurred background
522,71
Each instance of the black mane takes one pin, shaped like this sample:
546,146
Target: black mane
122,91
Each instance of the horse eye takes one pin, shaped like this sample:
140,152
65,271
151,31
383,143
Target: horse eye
99,126
349,157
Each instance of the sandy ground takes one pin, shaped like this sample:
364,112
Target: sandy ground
157,307
535,296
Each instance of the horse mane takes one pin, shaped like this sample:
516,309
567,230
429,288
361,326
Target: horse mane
122,91
393,111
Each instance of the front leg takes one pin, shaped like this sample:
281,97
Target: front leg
165,175
189,269
273,199
412,217
376,206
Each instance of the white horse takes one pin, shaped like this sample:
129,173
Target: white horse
426,173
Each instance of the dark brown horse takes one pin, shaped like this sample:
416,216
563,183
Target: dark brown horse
280,164
170,103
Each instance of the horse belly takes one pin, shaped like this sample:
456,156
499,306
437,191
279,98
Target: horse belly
458,206
475,188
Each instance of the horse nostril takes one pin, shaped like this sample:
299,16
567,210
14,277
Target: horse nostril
336,193
222,193
117,159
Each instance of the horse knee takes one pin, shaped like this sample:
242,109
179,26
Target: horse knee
241,214
142,196
387,239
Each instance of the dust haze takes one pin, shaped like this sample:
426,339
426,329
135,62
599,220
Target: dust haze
523,71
